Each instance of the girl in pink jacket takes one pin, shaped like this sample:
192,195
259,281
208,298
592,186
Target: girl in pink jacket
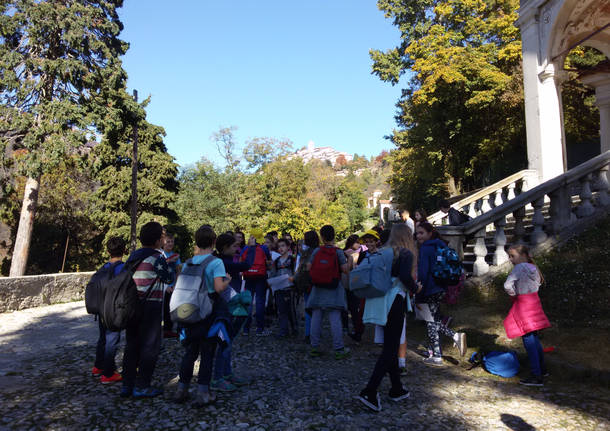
526,316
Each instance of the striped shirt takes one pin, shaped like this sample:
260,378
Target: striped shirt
153,269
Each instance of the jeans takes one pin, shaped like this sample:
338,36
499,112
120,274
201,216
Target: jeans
307,317
334,316
286,311
387,362
258,289
143,342
107,344
435,328
197,343
534,353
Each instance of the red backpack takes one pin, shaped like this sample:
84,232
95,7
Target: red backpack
259,266
324,270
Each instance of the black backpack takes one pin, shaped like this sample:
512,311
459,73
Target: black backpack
302,280
96,288
121,302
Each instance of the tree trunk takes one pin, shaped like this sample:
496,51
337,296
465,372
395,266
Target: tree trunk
26,225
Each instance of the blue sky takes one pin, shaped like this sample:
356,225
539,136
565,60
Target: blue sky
282,69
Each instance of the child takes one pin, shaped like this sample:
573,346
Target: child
173,261
327,298
108,341
284,298
311,242
526,316
143,336
196,339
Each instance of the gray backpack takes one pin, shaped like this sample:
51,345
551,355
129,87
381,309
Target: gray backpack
190,302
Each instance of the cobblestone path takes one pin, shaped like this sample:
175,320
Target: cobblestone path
46,355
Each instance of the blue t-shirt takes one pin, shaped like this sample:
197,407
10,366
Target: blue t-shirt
214,269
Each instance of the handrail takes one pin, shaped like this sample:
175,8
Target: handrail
486,191
529,196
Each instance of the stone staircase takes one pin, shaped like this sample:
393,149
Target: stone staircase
512,212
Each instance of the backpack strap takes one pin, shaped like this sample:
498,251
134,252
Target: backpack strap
204,266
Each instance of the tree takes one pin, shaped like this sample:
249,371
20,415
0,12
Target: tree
260,151
226,146
55,59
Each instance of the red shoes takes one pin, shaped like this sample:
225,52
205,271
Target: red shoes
116,377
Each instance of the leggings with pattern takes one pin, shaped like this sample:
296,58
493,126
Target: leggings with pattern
436,327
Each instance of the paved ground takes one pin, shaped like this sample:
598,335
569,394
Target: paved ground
46,356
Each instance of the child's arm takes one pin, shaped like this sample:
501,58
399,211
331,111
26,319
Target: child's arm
221,283
510,285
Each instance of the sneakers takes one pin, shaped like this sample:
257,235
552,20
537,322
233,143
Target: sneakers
237,381
222,385
400,394
182,394
203,399
149,392
96,372
460,342
532,381
315,352
263,333
116,377
370,399
434,361
402,371
342,353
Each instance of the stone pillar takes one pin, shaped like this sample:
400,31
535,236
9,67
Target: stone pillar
601,82
544,127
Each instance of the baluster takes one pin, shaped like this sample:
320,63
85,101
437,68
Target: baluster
604,186
499,200
500,255
519,229
480,267
485,207
538,235
511,191
560,210
472,212
585,208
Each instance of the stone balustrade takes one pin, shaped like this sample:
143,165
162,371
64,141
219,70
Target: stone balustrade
484,200
574,197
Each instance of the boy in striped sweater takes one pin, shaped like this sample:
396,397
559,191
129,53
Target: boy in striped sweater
143,336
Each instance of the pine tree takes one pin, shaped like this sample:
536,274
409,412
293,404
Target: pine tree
56,59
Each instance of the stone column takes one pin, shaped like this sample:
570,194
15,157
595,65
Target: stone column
544,127
601,82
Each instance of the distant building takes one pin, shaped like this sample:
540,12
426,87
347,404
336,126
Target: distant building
322,153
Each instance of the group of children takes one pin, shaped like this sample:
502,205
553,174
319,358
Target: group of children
245,277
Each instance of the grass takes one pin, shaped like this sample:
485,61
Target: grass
575,297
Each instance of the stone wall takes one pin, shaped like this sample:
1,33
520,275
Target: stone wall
17,293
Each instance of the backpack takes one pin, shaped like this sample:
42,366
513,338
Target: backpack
447,268
302,279
324,270
371,278
96,287
121,301
190,302
503,364
259,265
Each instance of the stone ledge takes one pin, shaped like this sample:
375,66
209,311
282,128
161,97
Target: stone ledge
18,293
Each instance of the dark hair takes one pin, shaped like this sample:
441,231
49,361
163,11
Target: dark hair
230,232
311,239
444,203
384,236
150,233
430,229
168,234
273,233
351,240
242,243
116,246
285,241
205,237
421,212
224,241
327,232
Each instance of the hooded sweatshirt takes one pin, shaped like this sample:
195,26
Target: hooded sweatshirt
523,279
425,263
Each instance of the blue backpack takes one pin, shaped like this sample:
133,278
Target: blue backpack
447,268
371,278
503,364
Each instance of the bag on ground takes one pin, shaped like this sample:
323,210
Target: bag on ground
121,302
503,364
96,288
324,270
371,278
447,268
190,302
